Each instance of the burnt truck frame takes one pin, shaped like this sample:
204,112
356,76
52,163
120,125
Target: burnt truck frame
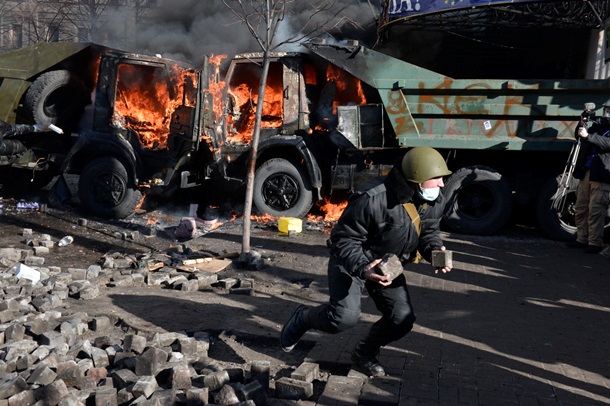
505,140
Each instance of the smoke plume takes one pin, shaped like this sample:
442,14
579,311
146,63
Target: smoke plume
188,29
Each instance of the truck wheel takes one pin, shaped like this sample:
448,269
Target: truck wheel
55,97
560,226
281,190
105,188
479,201
557,225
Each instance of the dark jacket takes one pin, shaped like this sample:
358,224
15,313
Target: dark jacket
596,148
10,130
12,147
375,223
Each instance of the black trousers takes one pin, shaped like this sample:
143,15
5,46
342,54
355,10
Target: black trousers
343,309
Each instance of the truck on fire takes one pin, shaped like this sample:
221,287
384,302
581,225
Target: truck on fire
334,116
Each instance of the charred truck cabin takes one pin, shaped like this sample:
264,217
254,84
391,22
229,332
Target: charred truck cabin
129,121
333,117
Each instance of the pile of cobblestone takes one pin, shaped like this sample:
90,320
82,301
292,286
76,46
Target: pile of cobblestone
49,359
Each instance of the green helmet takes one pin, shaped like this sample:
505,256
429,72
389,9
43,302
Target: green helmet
422,163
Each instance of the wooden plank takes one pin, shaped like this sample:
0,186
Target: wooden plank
196,261
156,266
211,265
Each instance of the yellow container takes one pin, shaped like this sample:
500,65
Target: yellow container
289,224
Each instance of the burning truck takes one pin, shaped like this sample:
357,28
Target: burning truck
334,116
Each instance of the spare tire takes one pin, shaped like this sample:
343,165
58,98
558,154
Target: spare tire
56,97
479,201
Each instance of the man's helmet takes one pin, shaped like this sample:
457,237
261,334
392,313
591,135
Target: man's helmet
422,163
606,111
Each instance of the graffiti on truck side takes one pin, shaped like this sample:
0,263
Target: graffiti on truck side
470,114
398,110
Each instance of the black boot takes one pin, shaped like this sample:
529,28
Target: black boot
367,362
294,329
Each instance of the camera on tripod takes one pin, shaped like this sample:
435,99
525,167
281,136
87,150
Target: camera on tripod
565,182
588,113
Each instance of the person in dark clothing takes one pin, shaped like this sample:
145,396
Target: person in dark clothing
10,146
401,216
593,193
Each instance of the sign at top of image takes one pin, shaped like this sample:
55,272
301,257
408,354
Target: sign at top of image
410,8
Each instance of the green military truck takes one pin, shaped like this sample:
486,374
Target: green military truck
334,116
124,118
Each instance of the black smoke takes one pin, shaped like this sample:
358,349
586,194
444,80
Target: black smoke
188,29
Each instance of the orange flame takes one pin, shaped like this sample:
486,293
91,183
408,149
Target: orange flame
141,202
243,99
216,86
215,225
349,88
145,101
264,219
243,118
332,212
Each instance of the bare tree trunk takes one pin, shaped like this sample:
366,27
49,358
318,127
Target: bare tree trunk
263,18
245,247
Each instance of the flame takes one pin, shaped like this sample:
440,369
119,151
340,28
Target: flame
215,225
244,115
264,219
216,86
348,88
141,202
310,75
332,212
243,99
239,107
145,101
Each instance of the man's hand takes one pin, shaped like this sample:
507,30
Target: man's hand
444,269
40,128
369,274
582,132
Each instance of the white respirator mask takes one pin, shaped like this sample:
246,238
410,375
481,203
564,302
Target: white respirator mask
428,194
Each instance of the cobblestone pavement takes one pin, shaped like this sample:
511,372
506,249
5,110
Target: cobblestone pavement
518,322
521,320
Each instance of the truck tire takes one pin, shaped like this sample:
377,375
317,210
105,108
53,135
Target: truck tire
556,225
106,189
281,189
56,97
479,201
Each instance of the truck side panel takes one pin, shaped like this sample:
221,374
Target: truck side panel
426,108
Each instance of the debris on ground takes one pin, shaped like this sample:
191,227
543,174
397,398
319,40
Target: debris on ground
79,359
